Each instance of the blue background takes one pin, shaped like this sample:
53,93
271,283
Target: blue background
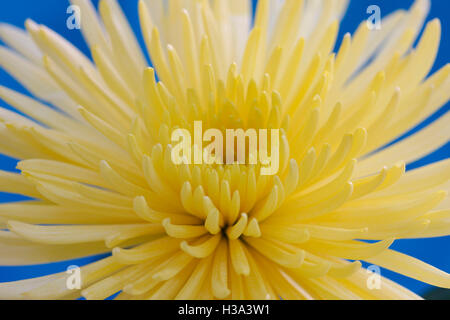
53,14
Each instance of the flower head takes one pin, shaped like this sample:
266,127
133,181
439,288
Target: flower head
95,150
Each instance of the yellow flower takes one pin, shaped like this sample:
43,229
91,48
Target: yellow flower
98,165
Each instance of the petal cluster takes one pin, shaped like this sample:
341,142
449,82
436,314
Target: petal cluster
95,147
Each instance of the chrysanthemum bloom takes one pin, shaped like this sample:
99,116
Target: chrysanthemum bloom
99,170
